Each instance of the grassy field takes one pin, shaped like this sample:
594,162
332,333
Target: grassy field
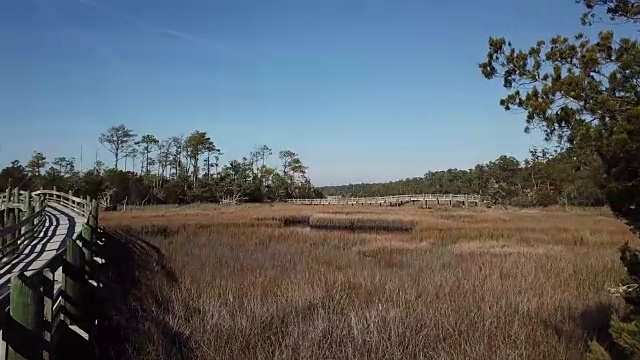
271,282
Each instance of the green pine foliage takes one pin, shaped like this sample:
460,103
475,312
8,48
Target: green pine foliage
584,92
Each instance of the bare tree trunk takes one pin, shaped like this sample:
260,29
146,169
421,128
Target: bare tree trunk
116,154
208,166
195,171
146,165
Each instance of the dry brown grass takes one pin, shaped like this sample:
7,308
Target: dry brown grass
463,284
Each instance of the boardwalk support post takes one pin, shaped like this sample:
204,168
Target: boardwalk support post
27,311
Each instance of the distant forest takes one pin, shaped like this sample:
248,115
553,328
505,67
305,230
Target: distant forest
547,177
187,169
175,170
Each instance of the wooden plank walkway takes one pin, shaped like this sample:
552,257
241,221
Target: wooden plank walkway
60,225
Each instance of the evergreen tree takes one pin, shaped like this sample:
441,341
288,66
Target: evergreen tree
585,93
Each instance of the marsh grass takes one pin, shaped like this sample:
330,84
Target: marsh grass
462,284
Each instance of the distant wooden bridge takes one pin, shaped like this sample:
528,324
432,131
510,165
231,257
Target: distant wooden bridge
424,199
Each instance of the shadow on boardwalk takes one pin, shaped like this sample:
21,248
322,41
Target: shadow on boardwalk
132,321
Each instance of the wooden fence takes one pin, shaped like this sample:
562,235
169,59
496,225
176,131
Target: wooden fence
47,310
22,220
424,199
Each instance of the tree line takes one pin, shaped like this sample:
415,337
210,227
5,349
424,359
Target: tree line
176,170
186,169
546,177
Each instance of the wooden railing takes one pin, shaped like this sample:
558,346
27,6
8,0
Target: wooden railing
22,220
397,199
47,310
78,205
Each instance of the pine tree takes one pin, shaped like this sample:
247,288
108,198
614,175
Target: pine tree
585,93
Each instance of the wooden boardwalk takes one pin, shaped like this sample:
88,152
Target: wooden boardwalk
61,224
37,232
424,199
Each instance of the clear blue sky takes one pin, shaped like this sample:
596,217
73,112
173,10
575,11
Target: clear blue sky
363,90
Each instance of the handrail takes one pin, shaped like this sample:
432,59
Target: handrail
23,219
78,205
23,223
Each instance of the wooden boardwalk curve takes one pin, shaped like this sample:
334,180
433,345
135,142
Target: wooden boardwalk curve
60,225
46,239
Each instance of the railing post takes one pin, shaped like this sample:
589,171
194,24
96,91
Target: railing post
18,218
93,214
5,219
16,210
29,212
27,309
73,282
11,220
48,281
88,245
7,210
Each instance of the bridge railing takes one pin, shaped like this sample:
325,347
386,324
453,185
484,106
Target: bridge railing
47,309
79,205
23,217
387,199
